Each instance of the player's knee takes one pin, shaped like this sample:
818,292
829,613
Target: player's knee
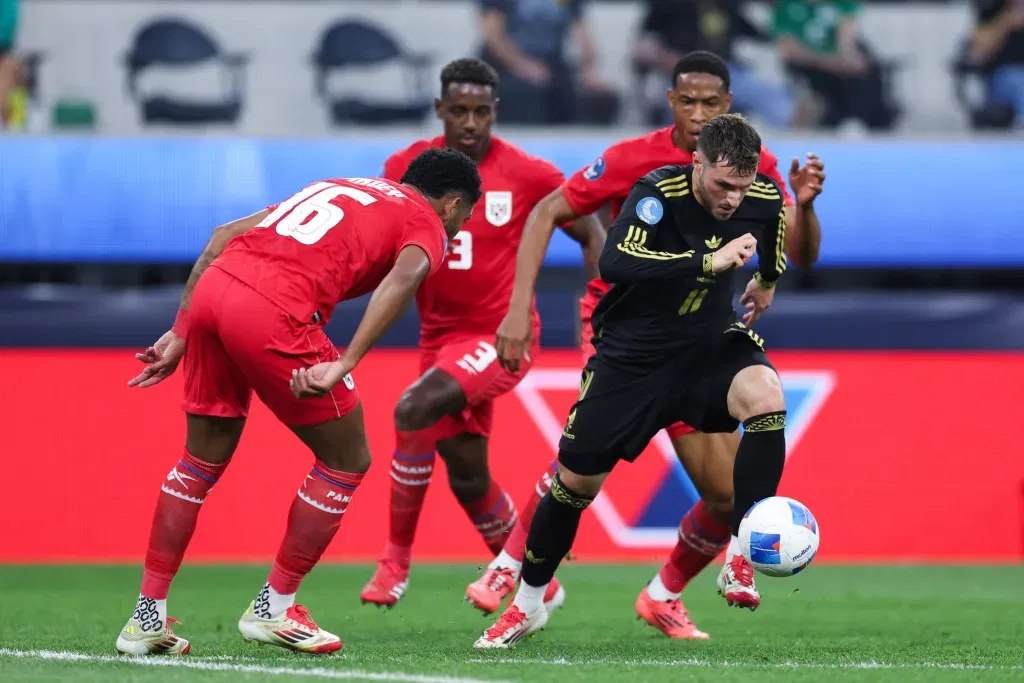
426,402
414,412
355,460
755,390
585,486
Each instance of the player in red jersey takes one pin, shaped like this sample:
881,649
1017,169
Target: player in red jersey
449,409
253,312
700,92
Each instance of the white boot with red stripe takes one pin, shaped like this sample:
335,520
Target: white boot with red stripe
293,630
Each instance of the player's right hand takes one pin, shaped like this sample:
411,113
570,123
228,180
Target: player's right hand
161,360
513,339
735,254
318,380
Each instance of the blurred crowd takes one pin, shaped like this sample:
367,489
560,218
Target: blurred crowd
832,72
548,60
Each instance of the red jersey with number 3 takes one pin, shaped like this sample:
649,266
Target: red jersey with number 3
470,293
335,240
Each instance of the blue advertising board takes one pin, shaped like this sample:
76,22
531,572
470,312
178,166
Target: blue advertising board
155,199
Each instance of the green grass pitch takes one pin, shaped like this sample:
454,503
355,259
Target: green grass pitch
830,623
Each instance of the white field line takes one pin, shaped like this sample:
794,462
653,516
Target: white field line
206,665
713,664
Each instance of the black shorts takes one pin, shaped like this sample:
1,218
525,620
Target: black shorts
620,409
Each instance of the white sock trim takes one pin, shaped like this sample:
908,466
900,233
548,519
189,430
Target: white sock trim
733,550
270,604
530,598
658,591
506,561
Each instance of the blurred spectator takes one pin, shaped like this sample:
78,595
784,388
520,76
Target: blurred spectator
672,28
10,70
525,40
820,44
998,48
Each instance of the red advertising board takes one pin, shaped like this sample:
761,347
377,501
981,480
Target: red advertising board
901,456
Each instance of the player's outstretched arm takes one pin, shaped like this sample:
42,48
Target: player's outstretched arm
162,358
222,234
390,300
514,333
588,232
540,226
803,229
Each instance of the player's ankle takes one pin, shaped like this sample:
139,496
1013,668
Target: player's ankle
733,550
397,555
270,604
505,561
659,591
530,598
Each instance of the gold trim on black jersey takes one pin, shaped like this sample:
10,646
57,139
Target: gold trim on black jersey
633,245
674,187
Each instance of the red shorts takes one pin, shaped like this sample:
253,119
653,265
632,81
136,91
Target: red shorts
595,290
473,362
239,342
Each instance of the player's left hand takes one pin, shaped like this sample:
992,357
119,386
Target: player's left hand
807,182
318,380
161,360
756,299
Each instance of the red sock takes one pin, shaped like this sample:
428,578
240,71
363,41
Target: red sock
410,476
312,522
177,509
494,515
701,538
516,543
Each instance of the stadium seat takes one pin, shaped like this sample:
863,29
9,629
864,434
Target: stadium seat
177,43
351,44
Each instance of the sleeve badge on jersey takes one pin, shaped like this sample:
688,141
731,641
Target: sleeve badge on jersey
595,170
498,208
649,210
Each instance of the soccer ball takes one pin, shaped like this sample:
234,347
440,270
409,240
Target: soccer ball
778,536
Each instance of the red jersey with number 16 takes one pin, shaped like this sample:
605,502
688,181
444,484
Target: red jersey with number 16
335,240
470,294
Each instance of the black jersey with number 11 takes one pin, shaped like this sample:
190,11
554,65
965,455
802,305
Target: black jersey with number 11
665,296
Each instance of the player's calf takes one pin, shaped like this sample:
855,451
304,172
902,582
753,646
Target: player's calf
756,399
488,507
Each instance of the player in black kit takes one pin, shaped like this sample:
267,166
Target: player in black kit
670,347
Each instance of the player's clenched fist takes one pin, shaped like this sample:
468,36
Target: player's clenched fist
735,254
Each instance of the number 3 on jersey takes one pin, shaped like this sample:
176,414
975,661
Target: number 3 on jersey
308,216
462,251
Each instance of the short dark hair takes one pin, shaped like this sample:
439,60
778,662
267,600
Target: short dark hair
469,70
729,139
441,170
702,62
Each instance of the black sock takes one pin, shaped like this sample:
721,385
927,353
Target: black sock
552,532
759,462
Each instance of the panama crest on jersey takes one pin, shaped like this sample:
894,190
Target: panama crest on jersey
498,207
